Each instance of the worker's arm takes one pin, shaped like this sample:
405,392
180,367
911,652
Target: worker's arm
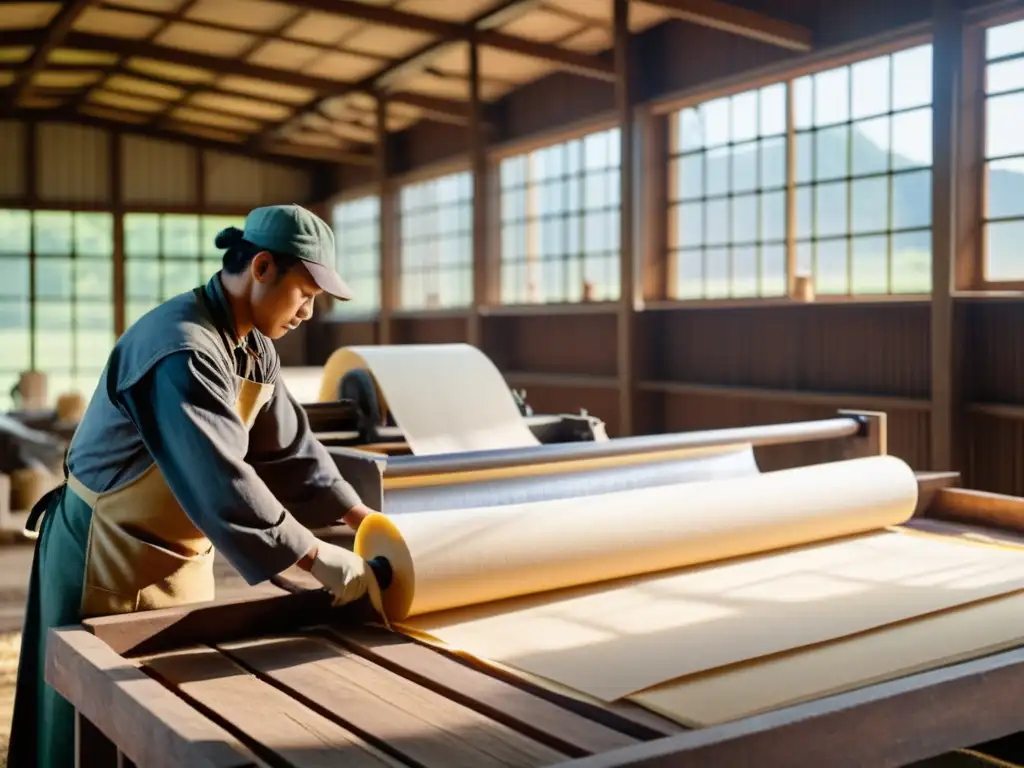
184,409
297,468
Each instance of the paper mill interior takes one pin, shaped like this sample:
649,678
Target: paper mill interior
513,383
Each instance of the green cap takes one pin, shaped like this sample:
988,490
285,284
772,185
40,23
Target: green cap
293,230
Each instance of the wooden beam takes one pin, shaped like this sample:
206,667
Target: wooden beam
54,36
579,63
738,21
625,344
218,64
947,63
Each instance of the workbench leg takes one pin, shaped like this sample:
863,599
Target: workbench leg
92,748
873,439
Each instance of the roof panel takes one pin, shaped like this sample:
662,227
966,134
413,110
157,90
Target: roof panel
253,15
140,87
252,87
168,71
27,15
322,28
543,26
284,54
126,101
15,55
259,110
158,6
66,79
344,67
591,40
201,116
215,42
387,42
450,10
124,24
81,58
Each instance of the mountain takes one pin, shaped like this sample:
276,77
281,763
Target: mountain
866,215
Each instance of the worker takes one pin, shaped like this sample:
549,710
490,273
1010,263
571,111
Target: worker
190,444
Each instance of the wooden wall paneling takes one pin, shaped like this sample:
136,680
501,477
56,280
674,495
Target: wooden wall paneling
870,348
432,328
325,338
157,172
947,65
628,283
565,344
13,141
73,164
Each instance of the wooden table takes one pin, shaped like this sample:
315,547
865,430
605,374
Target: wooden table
285,680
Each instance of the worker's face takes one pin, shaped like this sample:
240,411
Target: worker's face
280,302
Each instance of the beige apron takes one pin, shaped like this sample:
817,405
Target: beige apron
143,551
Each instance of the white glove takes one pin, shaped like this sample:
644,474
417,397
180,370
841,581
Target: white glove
344,573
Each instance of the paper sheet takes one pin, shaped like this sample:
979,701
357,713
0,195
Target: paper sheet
446,398
610,640
901,649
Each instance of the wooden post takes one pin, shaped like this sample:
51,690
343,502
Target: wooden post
627,266
873,440
947,63
117,198
388,234
478,165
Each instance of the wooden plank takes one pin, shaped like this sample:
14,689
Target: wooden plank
891,724
982,507
165,629
407,719
272,723
538,718
930,483
148,723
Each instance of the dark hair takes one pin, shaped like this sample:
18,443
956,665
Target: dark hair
240,252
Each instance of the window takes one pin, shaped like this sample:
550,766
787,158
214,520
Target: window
356,225
1004,153
15,299
168,254
64,324
437,243
727,196
863,175
560,212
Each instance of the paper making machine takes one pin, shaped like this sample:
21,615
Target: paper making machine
469,443
346,406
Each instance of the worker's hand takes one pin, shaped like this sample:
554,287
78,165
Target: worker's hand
356,515
344,573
